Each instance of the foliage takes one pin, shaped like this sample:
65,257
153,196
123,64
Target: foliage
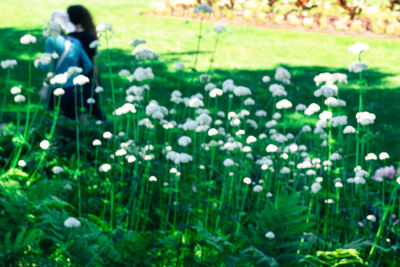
146,209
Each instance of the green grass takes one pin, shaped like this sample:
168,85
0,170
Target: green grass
245,55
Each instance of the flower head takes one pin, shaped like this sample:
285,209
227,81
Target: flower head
365,118
358,48
27,39
44,145
59,92
81,80
105,167
71,222
270,235
137,42
203,8
104,27
284,104
219,28
8,63
19,99
142,52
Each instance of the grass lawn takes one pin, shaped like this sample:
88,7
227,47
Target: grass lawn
245,55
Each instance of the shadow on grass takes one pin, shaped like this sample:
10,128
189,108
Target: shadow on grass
382,102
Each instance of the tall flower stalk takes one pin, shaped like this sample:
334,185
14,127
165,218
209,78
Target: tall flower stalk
358,67
202,9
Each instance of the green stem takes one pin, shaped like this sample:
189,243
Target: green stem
197,50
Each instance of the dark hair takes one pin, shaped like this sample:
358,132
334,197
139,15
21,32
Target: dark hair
80,15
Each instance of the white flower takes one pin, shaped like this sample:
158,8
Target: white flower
204,119
80,80
178,158
311,109
365,118
94,44
300,107
349,130
325,115
271,148
228,163
315,187
204,78
266,79
251,139
71,222
45,59
21,163
27,39
249,102
120,152
327,91
195,102
184,140
57,169
383,156
124,72
285,170
338,121
329,78
219,28
103,27
153,179
241,91
283,75
212,132
333,102
142,52
59,92
137,42
358,48
247,180
283,104
215,92
209,86
44,145
335,156
72,71
203,8
180,65
105,167
306,129
8,63
338,185
257,188
277,90
371,156
357,67
96,142
107,135
270,235
91,101
15,90
59,79
125,109
130,158
19,98
371,218
261,113
98,89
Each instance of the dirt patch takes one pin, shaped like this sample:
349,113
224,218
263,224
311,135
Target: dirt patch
284,26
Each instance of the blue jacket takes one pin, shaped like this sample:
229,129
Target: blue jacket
76,57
